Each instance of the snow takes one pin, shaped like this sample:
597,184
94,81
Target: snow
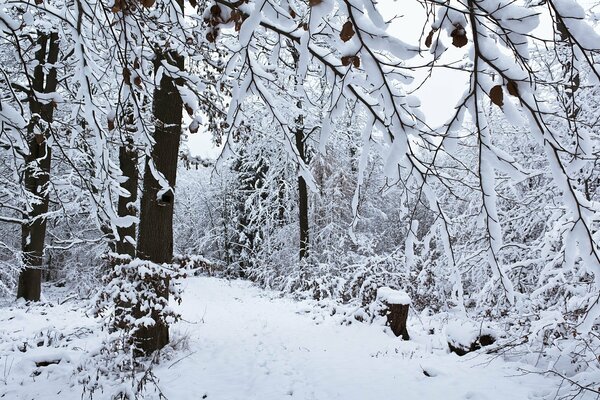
462,333
248,343
392,296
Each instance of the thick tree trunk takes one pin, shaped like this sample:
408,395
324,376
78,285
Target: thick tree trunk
155,241
37,170
302,199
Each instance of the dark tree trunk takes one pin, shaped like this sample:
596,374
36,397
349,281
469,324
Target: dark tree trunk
128,159
302,199
37,170
302,189
125,246
155,241
397,315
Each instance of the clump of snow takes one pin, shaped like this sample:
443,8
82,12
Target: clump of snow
393,296
465,335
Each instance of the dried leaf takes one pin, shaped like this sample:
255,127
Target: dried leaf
236,15
215,10
189,110
356,62
347,31
347,60
292,13
313,3
193,3
460,40
459,36
513,89
127,76
497,96
429,38
148,3
138,81
111,124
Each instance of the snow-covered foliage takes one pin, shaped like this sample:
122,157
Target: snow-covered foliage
492,214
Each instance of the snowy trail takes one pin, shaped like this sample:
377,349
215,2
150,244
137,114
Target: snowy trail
245,343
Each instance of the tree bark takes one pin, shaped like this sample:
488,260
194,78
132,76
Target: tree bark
302,199
155,241
128,159
302,189
37,169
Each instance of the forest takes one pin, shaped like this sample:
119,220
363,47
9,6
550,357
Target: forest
317,199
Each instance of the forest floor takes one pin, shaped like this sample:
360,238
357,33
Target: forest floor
237,341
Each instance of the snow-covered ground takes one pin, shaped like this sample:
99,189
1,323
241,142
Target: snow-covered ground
246,343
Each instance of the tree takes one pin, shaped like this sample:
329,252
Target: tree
38,164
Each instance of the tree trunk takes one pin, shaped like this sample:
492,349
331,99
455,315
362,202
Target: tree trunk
302,199
155,241
37,170
128,159
302,189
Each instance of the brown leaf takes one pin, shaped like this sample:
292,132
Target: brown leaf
236,15
215,10
189,110
38,2
513,89
138,81
136,63
347,31
497,96
313,3
115,9
127,76
429,38
39,139
356,62
111,124
148,3
211,36
459,36
193,3
305,26
292,13
347,60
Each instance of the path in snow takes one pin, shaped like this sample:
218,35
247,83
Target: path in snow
245,343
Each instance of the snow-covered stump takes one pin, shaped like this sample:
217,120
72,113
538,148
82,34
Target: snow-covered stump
465,336
396,304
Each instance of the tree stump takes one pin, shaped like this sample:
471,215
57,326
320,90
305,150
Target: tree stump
395,307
